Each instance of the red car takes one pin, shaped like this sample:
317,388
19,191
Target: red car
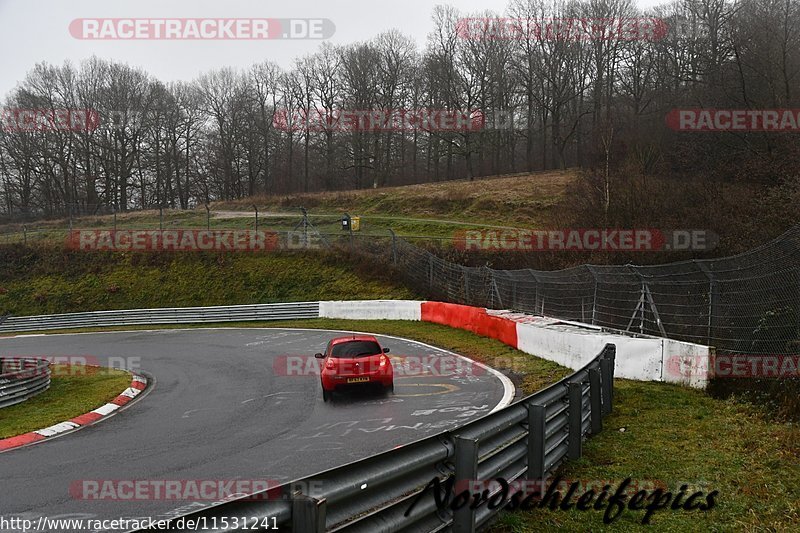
355,360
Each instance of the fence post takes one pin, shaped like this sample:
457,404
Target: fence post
161,218
394,246
308,514
255,207
641,312
208,218
574,443
305,229
514,295
24,234
595,400
537,433
495,290
594,296
536,294
713,296
466,459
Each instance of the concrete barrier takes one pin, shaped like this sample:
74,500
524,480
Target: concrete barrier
474,319
371,309
565,342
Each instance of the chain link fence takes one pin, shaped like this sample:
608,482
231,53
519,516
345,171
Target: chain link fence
747,303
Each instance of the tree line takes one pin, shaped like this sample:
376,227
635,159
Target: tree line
547,102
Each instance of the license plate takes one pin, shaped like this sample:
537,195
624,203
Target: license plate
357,380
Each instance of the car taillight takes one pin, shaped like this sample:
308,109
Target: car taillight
384,360
329,363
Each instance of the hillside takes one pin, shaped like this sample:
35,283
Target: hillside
45,280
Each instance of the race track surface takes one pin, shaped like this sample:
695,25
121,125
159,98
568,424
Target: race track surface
223,408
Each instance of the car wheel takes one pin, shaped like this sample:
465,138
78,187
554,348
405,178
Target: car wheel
389,389
326,395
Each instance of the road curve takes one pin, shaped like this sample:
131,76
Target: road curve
222,409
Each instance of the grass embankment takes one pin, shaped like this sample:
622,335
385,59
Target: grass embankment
429,210
44,280
674,436
74,390
435,209
671,436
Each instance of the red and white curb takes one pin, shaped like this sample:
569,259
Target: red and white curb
138,384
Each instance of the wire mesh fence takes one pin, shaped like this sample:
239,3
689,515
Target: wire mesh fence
744,304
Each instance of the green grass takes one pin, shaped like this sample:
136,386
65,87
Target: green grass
501,200
432,209
673,436
43,281
73,391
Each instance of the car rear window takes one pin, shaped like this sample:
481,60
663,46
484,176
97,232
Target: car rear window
355,349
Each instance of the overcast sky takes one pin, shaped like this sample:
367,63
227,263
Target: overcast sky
32,31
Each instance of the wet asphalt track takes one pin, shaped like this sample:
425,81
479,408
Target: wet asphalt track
221,409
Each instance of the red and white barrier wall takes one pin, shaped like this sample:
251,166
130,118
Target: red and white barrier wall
570,344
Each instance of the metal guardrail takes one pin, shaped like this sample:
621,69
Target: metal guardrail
524,441
179,315
29,377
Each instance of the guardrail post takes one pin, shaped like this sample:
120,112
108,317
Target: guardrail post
537,432
308,514
595,400
575,420
607,375
466,458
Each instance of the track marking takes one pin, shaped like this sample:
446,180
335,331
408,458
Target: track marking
446,386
